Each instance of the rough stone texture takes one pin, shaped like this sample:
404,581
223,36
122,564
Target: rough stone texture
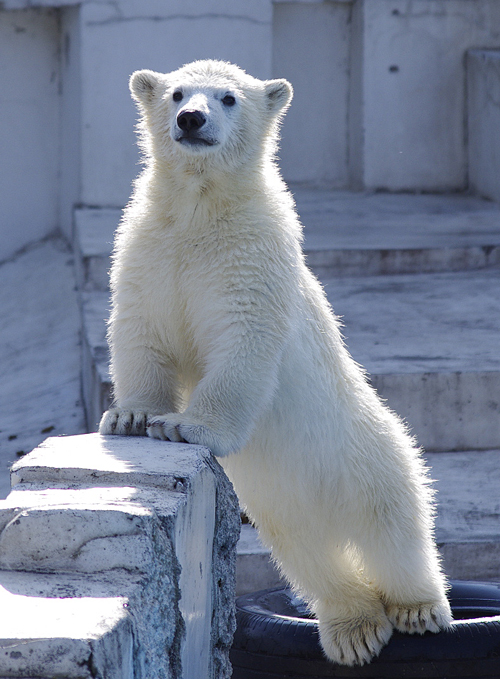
71,626
483,98
149,525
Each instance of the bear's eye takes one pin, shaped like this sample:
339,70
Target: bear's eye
177,95
229,100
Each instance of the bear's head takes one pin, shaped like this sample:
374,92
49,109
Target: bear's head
210,114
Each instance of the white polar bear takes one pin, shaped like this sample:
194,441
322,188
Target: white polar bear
221,336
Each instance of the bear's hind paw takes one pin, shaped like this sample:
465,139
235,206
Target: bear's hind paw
420,618
123,422
354,641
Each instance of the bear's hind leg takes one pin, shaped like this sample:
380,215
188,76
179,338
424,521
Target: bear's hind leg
353,624
405,569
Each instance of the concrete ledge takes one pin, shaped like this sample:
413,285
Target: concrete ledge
119,554
483,98
446,410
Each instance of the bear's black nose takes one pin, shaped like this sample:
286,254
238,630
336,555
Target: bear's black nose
190,120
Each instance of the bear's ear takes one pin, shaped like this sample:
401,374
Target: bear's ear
143,85
279,94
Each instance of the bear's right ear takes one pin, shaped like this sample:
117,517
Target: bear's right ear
143,85
279,94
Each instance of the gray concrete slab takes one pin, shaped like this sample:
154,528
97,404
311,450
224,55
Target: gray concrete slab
429,323
345,220
356,234
430,343
40,352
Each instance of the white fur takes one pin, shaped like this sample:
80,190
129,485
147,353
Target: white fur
221,336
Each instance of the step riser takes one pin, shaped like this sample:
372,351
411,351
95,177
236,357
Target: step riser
94,272
446,411
328,263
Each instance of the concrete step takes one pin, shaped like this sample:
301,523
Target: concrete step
350,234
65,625
94,233
429,343
113,557
467,524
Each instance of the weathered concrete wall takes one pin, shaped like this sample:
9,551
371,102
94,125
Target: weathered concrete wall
483,85
408,101
380,97
311,49
121,37
117,560
66,116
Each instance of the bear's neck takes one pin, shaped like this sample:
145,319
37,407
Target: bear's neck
198,184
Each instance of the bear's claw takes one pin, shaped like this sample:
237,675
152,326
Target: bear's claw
420,618
123,422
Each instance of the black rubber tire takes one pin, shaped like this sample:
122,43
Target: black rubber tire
277,639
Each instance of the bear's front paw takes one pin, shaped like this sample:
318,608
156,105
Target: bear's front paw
353,640
420,618
179,428
123,422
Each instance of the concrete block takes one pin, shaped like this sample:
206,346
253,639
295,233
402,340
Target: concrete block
430,346
483,99
156,523
369,234
254,568
467,523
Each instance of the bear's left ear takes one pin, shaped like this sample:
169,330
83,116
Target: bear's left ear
143,85
279,94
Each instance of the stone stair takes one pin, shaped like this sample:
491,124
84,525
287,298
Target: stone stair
415,279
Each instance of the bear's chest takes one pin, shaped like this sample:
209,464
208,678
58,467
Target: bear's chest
180,281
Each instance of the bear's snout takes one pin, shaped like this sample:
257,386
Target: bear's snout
189,121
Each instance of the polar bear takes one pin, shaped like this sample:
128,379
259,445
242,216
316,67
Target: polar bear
221,336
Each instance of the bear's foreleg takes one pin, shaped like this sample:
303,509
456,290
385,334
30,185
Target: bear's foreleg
238,384
144,382
222,409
